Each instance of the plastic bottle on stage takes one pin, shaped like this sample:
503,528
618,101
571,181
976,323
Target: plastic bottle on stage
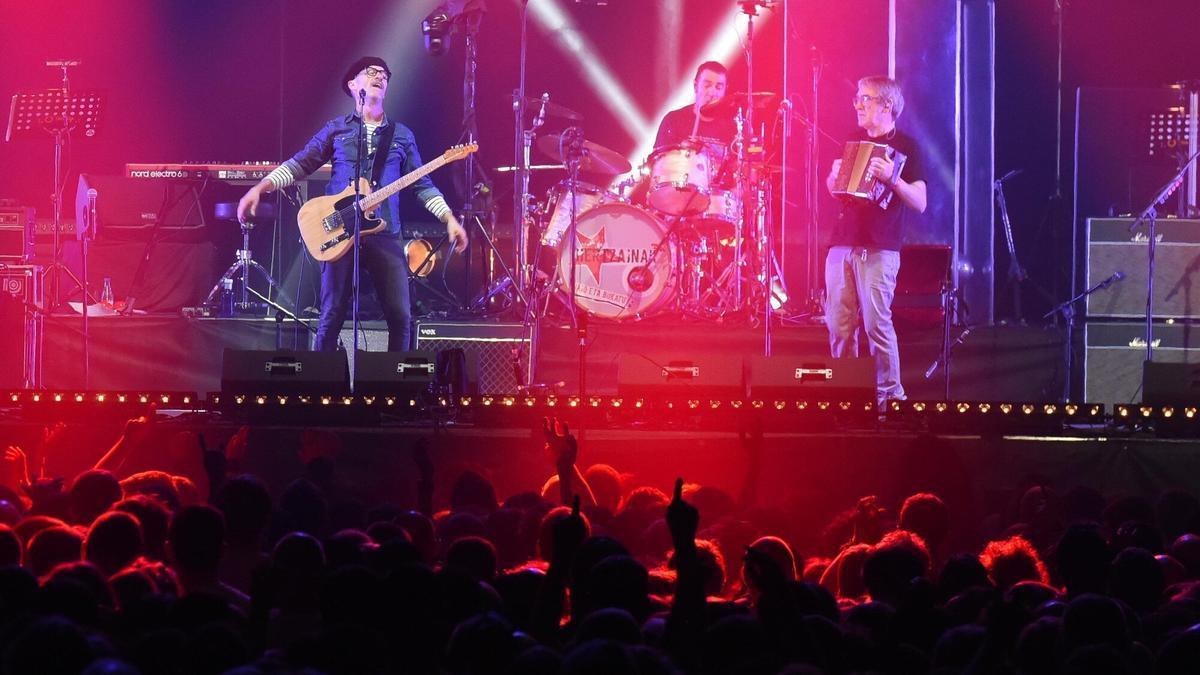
106,295
226,308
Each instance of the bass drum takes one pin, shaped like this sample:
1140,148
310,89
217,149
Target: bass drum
624,264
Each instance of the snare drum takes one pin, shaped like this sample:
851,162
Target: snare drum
558,206
679,178
624,265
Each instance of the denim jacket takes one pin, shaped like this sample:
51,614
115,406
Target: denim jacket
336,142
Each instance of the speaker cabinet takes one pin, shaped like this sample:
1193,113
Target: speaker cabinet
799,376
284,372
712,376
395,373
1114,354
21,324
1113,249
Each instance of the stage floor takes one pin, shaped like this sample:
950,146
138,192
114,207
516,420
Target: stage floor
184,354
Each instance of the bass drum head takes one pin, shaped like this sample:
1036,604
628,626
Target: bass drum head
624,266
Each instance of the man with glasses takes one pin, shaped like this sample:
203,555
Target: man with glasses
864,254
391,152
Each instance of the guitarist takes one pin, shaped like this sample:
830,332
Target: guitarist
391,151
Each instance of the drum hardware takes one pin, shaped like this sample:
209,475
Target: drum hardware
554,109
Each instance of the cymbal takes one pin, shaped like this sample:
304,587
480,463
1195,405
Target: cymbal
596,157
532,167
553,109
760,99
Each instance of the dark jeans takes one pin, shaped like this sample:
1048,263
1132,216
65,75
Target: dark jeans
383,260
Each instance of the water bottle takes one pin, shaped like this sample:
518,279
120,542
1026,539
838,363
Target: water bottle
226,308
106,295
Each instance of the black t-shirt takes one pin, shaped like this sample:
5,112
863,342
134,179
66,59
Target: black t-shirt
677,127
863,223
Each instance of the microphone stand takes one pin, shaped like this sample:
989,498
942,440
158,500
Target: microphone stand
1067,309
361,109
1150,215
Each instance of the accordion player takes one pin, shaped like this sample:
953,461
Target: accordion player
853,182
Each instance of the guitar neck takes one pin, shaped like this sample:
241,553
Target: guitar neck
376,198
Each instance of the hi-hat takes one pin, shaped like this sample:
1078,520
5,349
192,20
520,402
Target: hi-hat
596,157
553,109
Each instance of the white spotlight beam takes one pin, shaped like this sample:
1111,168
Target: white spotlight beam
555,21
722,46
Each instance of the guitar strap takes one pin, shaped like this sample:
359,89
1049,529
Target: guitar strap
383,146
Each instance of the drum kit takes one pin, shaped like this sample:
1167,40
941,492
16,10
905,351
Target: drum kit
683,236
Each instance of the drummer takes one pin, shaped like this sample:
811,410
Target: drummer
707,118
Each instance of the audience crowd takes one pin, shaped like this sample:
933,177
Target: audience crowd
206,571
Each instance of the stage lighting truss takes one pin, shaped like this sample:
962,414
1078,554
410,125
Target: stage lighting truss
43,404
1164,420
998,417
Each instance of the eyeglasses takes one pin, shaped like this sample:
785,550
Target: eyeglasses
372,71
864,99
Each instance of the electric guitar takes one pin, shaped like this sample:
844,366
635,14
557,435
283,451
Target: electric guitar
324,220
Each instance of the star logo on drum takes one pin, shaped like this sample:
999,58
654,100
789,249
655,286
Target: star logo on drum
591,252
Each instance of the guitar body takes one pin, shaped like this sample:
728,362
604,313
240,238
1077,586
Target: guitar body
324,221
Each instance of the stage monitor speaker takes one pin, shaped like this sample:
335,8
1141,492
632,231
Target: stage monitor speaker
284,372
1114,354
924,271
496,353
395,373
799,376
639,375
1171,383
1112,249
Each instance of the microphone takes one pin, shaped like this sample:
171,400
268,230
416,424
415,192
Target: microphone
1008,175
362,96
541,116
91,219
1116,276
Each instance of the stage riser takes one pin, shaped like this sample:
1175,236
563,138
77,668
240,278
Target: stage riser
995,363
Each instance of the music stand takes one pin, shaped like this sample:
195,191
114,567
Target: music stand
56,112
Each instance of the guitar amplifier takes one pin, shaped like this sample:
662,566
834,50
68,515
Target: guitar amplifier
496,353
1114,354
1112,249
16,233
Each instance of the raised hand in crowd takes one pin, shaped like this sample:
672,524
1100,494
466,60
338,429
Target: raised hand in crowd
14,469
136,431
568,534
685,622
562,448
